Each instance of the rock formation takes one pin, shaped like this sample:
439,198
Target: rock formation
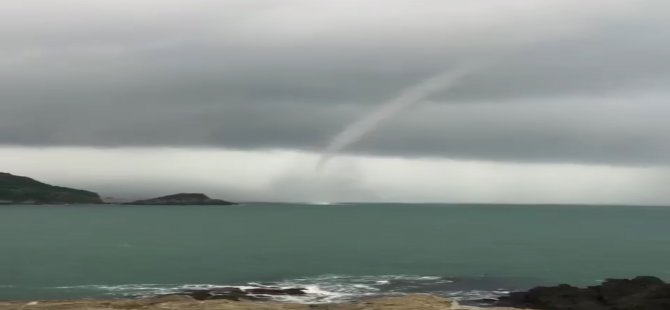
640,293
237,294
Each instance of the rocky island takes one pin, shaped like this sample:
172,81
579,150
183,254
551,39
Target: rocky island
16,189
182,199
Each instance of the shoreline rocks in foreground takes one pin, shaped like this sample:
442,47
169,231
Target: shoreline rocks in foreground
640,293
182,199
181,302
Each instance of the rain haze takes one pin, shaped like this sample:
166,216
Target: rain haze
239,99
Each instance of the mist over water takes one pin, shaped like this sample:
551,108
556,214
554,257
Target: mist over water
408,97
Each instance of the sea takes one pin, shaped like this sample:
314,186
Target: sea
338,252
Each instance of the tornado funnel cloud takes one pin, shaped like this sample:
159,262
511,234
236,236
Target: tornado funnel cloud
370,122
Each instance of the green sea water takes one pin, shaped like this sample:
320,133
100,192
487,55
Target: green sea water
338,251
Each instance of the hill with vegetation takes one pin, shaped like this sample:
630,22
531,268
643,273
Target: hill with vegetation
23,190
183,199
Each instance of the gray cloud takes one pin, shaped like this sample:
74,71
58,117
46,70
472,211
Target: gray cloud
571,81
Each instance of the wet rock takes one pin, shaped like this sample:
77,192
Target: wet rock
619,290
237,294
276,291
562,297
640,293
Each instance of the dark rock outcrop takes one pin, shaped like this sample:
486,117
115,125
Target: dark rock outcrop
182,199
237,294
640,293
23,190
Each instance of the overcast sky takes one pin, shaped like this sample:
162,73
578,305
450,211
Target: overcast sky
237,98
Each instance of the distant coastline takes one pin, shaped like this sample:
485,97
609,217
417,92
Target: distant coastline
22,190
16,189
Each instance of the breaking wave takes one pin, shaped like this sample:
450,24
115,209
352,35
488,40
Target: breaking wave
321,289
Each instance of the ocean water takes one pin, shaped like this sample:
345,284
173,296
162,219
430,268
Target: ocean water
339,252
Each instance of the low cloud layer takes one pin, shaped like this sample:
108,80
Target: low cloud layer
569,81
131,173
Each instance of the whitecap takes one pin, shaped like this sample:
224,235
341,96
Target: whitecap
329,288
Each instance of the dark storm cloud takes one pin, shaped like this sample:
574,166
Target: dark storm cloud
570,82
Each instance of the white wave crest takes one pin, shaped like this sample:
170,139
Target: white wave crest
319,289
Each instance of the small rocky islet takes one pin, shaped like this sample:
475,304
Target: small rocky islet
182,199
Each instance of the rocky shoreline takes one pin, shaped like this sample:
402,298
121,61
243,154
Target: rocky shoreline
639,293
184,302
